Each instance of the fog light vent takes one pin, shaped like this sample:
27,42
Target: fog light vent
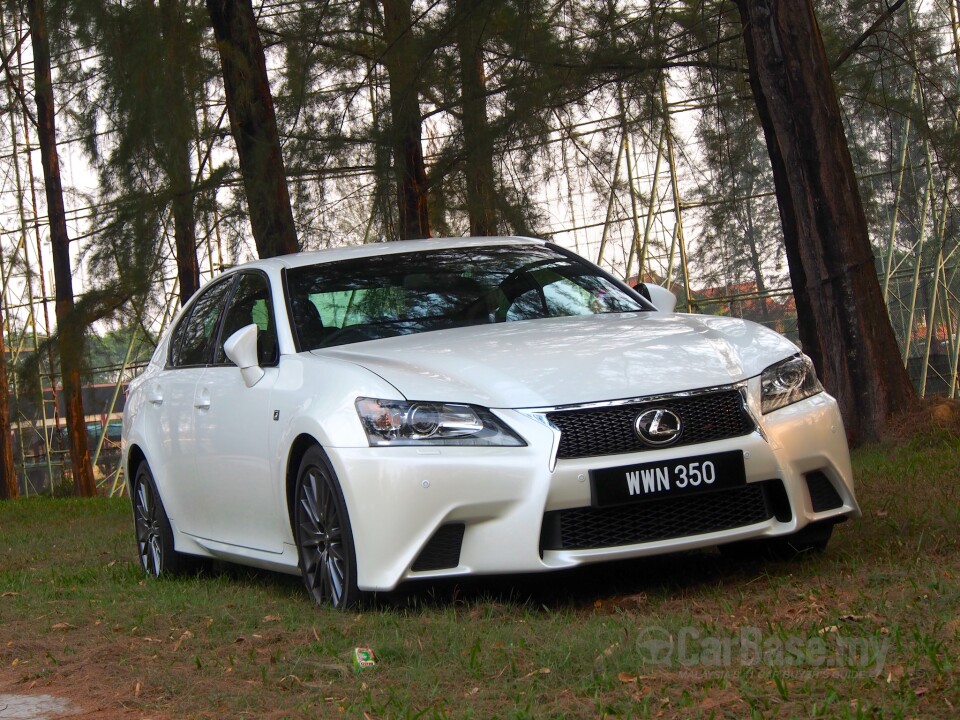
443,550
823,495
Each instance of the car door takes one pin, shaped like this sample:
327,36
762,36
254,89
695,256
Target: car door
170,399
243,502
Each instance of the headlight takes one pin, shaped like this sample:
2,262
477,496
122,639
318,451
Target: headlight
397,422
787,382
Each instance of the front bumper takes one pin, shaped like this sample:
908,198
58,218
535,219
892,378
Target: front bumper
437,511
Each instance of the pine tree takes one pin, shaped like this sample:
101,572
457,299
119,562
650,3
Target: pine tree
175,150
69,330
254,125
471,20
842,318
138,108
403,64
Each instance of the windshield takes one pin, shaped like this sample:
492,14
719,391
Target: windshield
363,299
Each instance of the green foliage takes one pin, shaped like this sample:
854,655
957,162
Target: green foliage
548,68
107,353
139,116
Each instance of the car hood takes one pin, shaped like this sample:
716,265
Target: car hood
560,361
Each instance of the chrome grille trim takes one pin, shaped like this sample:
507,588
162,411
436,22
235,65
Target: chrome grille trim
740,386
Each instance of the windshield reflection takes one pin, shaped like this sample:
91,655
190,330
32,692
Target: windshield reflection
364,299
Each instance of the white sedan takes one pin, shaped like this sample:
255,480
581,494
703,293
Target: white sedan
374,414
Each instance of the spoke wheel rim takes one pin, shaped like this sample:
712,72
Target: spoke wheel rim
322,550
146,516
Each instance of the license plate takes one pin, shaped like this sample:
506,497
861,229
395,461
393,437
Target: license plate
668,478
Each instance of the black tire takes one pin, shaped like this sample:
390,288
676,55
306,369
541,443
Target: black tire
812,539
323,535
154,534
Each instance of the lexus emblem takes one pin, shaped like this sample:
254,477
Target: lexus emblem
658,426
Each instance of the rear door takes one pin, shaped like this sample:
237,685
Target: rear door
171,399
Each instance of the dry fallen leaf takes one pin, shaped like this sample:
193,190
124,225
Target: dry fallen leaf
186,636
63,626
626,677
606,653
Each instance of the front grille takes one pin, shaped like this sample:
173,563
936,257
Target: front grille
665,519
443,549
589,432
823,495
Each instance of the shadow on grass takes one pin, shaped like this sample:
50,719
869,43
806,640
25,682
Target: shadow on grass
572,589
582,587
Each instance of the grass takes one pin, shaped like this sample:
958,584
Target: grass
869,629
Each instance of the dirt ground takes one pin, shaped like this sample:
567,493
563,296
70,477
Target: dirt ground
81,683
82,692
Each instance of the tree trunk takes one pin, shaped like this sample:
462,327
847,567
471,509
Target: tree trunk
185,235
69,330
9,487
470,17
254,126
756,264
176,154
401,61
843,321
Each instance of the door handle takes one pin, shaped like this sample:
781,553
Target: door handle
202,400
155,396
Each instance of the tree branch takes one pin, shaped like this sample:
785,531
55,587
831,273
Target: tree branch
845,55
15,86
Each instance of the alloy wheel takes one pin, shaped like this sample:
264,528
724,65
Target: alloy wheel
148,526
321,538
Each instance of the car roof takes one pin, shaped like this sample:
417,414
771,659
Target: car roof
314,257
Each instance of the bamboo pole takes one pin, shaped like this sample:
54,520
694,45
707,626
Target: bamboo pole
613,197
678,239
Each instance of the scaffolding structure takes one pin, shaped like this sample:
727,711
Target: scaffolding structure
640,217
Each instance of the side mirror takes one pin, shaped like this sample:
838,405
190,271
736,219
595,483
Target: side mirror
241,348
662,299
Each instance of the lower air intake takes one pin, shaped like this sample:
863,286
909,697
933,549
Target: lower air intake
823,495
443,550
589,528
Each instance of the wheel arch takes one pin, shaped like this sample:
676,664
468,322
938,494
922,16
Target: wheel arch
299,447
134,458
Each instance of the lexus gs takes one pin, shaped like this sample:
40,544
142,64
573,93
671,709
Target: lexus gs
369,415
